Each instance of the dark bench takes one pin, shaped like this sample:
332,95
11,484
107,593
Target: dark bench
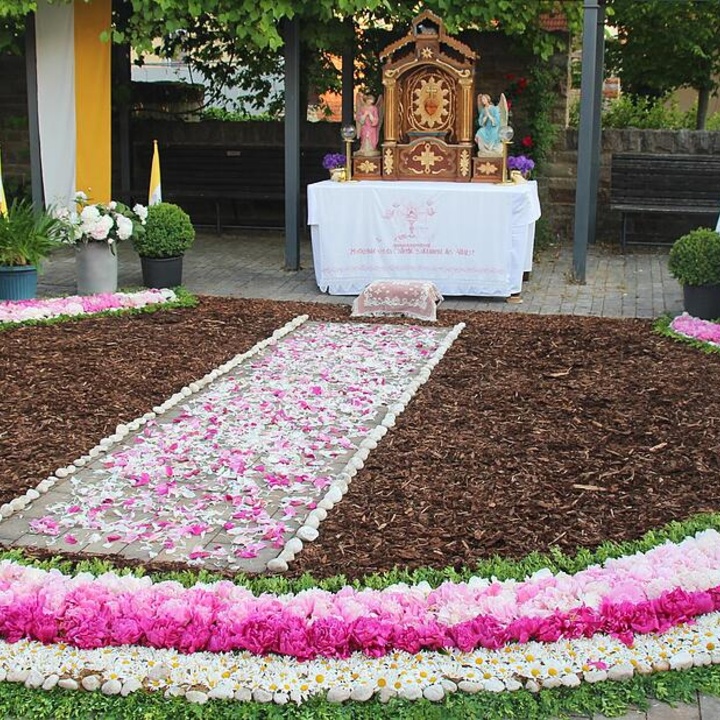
672,184
241,177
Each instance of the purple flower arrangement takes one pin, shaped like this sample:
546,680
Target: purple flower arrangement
333,160
522,163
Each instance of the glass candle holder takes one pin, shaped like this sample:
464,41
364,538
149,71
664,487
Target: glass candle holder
348,133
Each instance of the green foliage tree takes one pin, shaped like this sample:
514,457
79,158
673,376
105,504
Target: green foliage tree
238,42
666,44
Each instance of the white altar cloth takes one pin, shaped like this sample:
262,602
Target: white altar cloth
467,238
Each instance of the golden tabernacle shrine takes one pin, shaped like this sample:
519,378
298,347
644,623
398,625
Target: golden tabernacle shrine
429,113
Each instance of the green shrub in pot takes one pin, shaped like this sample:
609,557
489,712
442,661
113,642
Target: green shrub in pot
169,232
695,258
695,262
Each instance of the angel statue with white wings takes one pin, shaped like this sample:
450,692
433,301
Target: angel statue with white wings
368,119
490,119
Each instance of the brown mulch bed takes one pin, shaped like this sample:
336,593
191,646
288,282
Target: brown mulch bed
533,431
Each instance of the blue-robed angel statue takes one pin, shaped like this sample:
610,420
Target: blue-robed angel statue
490,119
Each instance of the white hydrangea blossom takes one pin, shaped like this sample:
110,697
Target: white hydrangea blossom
97,222
141,211
97,228
124,227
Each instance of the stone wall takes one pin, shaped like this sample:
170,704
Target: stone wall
558,182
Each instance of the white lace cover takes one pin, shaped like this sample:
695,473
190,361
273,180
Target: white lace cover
409,298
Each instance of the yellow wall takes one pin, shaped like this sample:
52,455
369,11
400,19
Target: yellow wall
92,99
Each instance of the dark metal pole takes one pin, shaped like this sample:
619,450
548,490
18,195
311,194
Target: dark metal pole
589,135
348,66
292,143
597,128
122,75
36,182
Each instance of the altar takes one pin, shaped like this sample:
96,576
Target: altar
467,238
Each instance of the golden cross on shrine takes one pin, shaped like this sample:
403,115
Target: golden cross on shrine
427,158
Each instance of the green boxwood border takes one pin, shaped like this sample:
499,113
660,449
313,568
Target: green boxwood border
185,299
501,568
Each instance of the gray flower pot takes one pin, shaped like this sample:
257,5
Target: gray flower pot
97,268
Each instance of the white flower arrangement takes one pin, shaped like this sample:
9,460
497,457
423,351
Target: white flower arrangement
97,222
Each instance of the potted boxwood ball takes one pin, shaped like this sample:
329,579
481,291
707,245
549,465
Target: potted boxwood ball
695,261
27,236
169,232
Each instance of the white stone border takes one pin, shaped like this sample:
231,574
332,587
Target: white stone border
308,532
121,431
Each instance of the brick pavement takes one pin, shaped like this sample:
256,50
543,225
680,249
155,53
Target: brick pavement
251,265
634,285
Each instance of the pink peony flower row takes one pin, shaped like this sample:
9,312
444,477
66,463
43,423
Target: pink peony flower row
640,594
17,311
697,329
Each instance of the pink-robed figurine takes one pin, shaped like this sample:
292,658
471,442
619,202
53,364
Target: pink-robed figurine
368,119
